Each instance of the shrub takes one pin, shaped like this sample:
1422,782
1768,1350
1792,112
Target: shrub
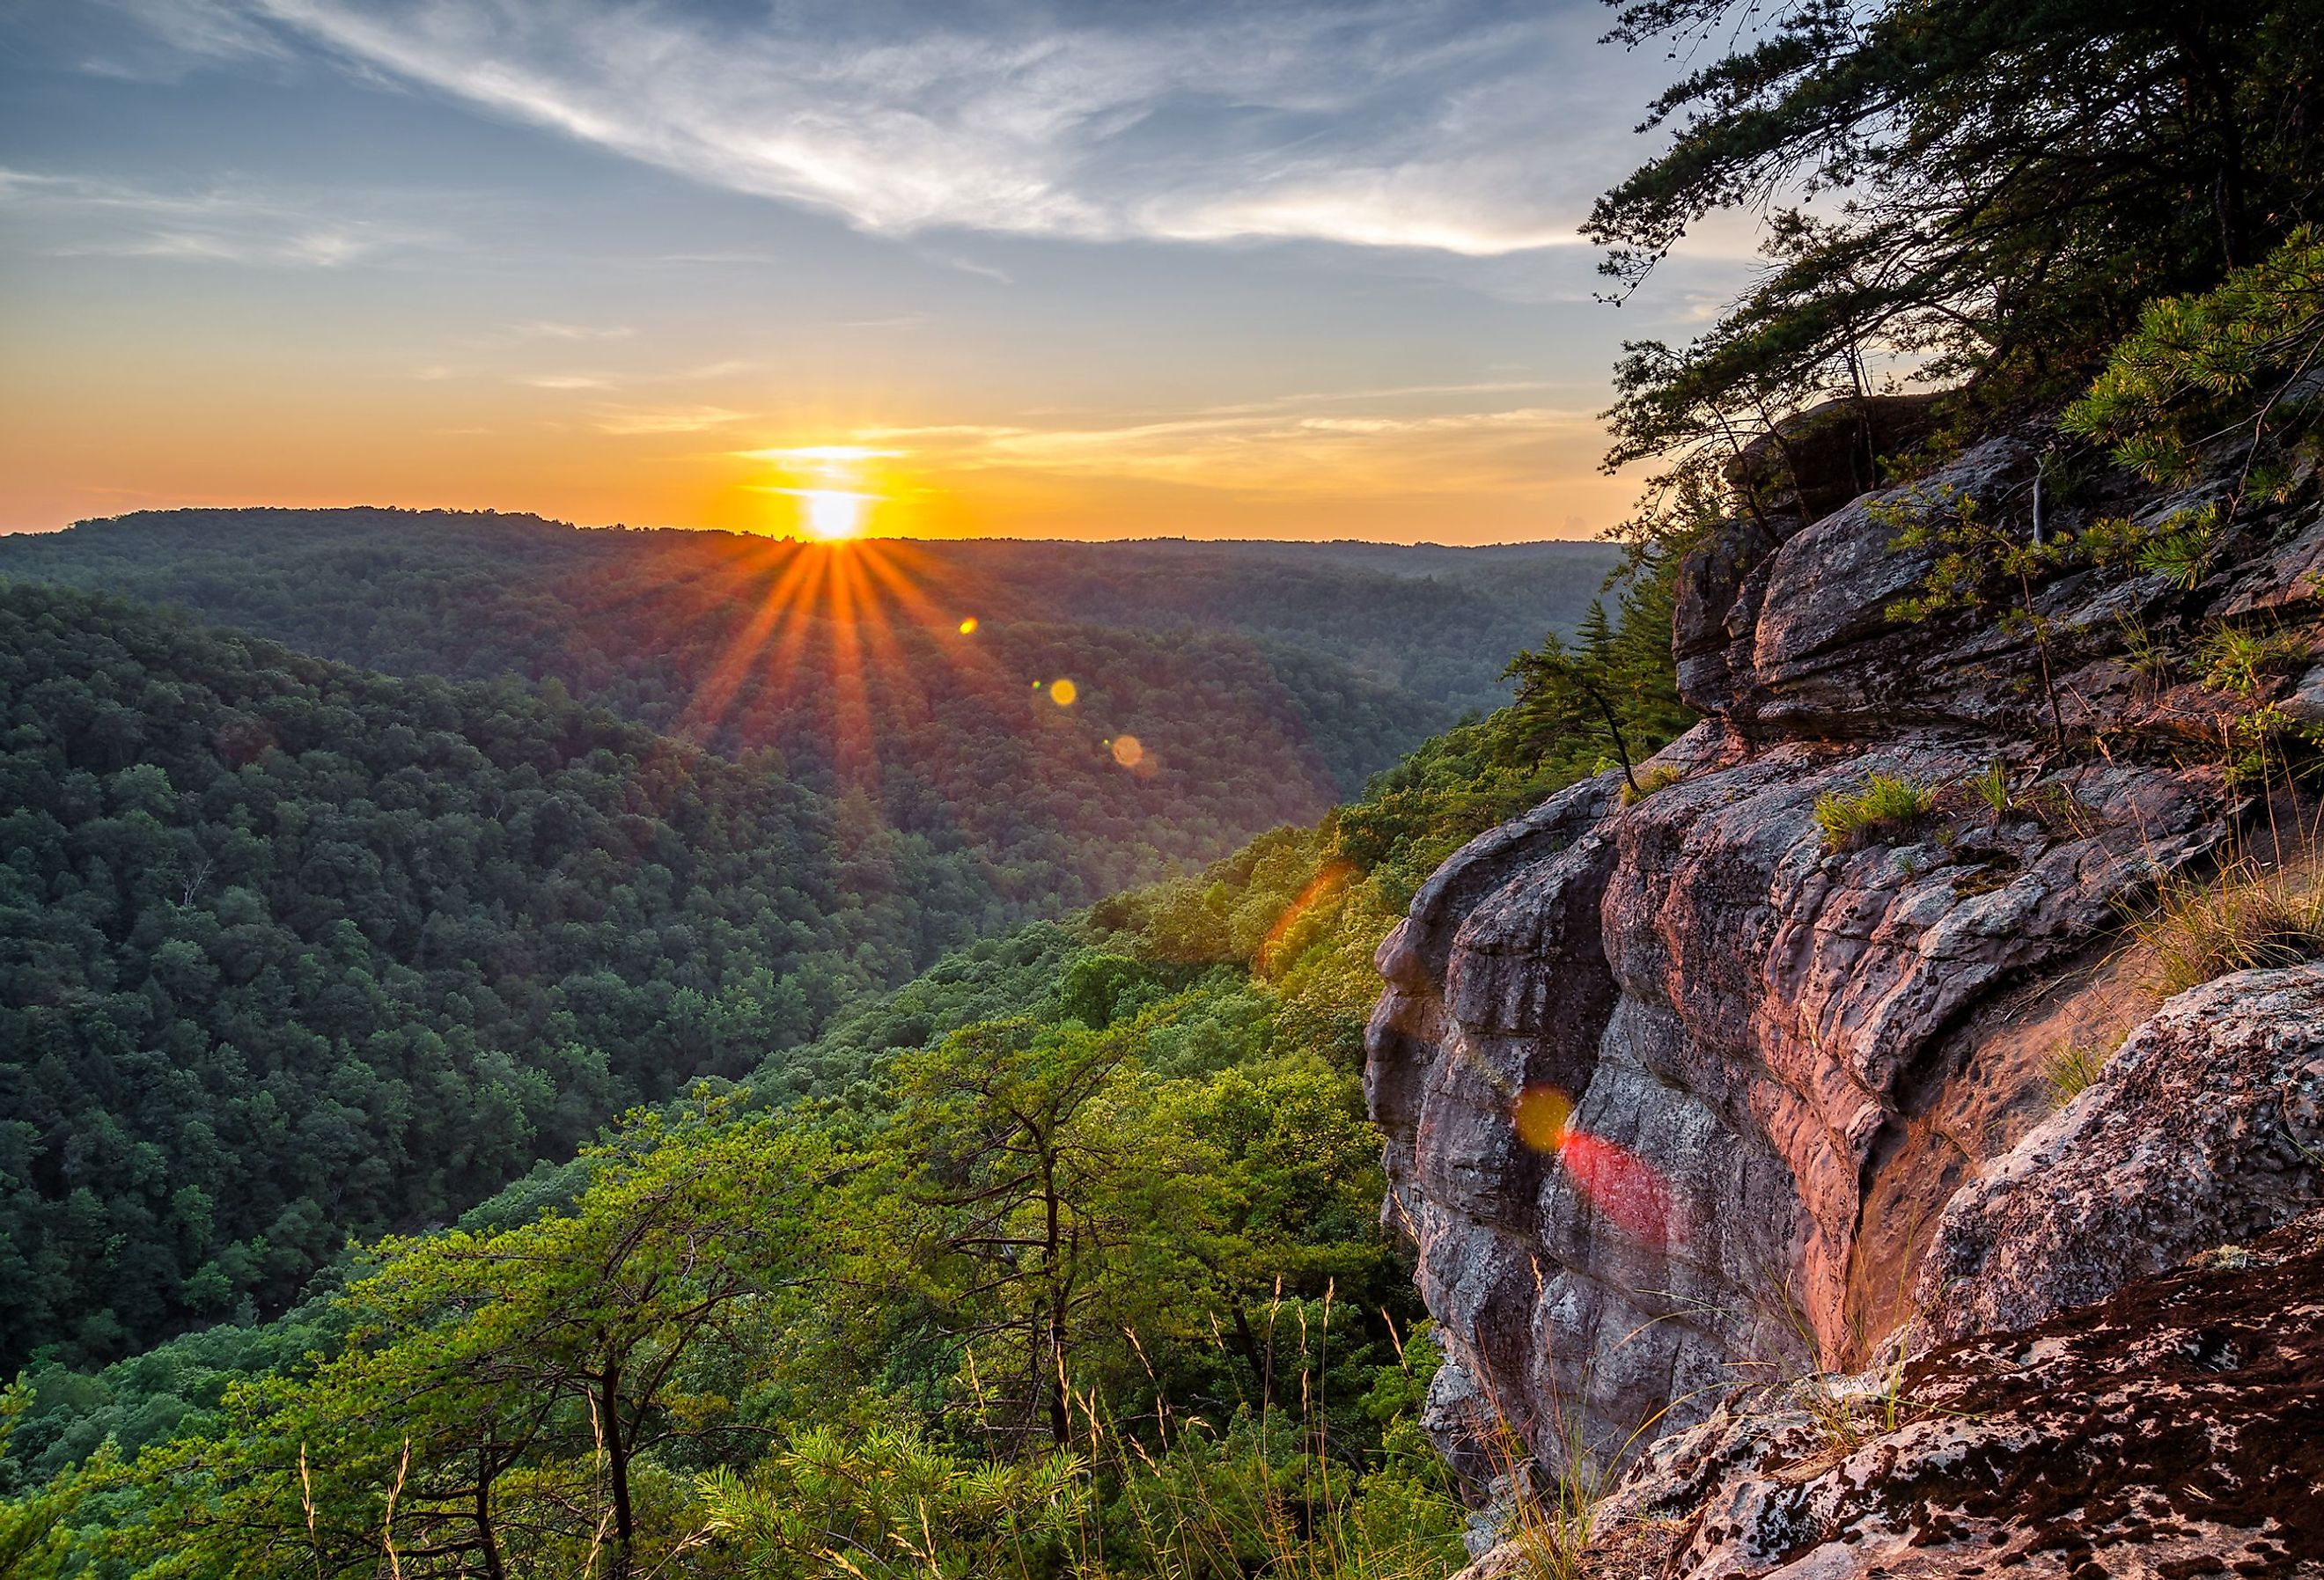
2203,364
1660,777
1888,805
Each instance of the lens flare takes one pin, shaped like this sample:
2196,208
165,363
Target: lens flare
1321,889
968,626
1622,1186
1540,1113
1063,692
1127,750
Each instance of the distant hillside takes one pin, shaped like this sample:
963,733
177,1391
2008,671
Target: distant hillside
1371,647
290,951
295,950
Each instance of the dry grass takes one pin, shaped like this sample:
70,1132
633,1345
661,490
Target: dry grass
2244,918
1661,776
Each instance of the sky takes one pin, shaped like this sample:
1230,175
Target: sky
1254,269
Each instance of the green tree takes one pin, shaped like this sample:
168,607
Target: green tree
1034,1185
499,1391
1989,187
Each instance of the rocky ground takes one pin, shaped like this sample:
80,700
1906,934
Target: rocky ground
1686,1103
2172,1430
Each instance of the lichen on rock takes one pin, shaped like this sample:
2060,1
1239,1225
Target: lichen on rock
1677,1100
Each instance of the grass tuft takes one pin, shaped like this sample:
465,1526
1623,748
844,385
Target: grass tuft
1660,777
1888,805
2073,1066
2244,918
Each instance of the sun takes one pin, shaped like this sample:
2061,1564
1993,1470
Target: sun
832,514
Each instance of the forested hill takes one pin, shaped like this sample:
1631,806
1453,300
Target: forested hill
296,951
473,594
290,951
1352,653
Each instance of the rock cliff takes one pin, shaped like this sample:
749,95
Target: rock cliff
1679,1099
2006,1454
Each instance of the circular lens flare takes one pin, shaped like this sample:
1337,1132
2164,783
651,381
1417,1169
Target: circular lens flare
1541,1113
1127,751
1063,692
968,626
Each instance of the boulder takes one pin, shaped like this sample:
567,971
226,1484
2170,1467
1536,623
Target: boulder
2175,1430
2208,1126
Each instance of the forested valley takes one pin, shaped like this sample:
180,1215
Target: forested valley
297,951
1101,1185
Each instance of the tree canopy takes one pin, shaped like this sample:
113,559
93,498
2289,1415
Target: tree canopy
1986,192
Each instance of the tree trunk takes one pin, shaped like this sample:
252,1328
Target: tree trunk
486,1538
1061,1423
617,1466
1249,1342
1614,728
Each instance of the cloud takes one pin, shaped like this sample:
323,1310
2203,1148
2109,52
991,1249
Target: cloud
564,381
542,329
1260,451
80,217
1466,126
631,421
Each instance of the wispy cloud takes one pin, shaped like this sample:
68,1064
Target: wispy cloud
564,381
543,329
636,420
1258,451
1431,123
79,216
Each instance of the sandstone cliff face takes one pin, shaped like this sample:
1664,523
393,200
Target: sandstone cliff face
2177,1428
1677,1099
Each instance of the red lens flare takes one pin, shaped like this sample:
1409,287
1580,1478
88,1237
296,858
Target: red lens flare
1622,1186
1323,887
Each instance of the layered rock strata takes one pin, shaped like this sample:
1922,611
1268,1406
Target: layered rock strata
1676,1095
2174,1429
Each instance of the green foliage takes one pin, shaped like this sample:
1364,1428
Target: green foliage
1977,561
36,1539
2073,1066
296,952
1077,1270
2239,659
1613,692
1992,788
175,1388
512,1399
1970,552
1888,807
1063,1257
2003,185
2201,366
888,1503
1264,683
